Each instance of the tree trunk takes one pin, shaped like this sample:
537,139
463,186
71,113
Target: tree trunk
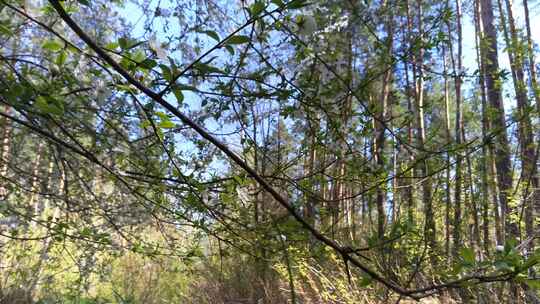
501,150
515,57
535,196
411,58
429,229
4,151
381,116
485,126
448,137
457,68
530,51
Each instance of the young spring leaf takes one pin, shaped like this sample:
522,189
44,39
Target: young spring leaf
167,73
148,64
167,124
238,39
61,58
211,34
296,4
49,105
52,45
206,68
256,8
177,91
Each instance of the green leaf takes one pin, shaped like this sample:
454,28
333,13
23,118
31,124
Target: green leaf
509,245
211,34
61,58
287,111
277,2
178,93
238,179
533,260
296,4
167,124
145,124
126,88
148,64
165,121
112,45
167,73
467,255
162,115
503,266
467,283
52,45
366,280
534,284
238,39
230,49
49,105
185,87
123,43
206,68
126,43
84,2
256,8
138,56
86,232
5,30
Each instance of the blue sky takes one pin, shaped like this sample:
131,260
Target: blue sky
136,18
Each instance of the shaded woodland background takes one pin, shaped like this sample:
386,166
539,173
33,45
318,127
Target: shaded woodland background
207,151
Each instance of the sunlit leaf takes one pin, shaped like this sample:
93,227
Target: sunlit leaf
61,58
52,45
238,39
467,255
167,124
49,105
256,8
177,91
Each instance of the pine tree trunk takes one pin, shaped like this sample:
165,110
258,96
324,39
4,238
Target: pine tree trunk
515,57
535,196
381,116
457,68
411,90
485,126
501,150
429,229
448,137
531,64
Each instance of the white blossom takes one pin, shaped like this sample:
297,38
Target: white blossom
32,7
204,196
155,45
108,188
242,194
102,91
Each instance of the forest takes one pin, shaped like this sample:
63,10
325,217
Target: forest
269,151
